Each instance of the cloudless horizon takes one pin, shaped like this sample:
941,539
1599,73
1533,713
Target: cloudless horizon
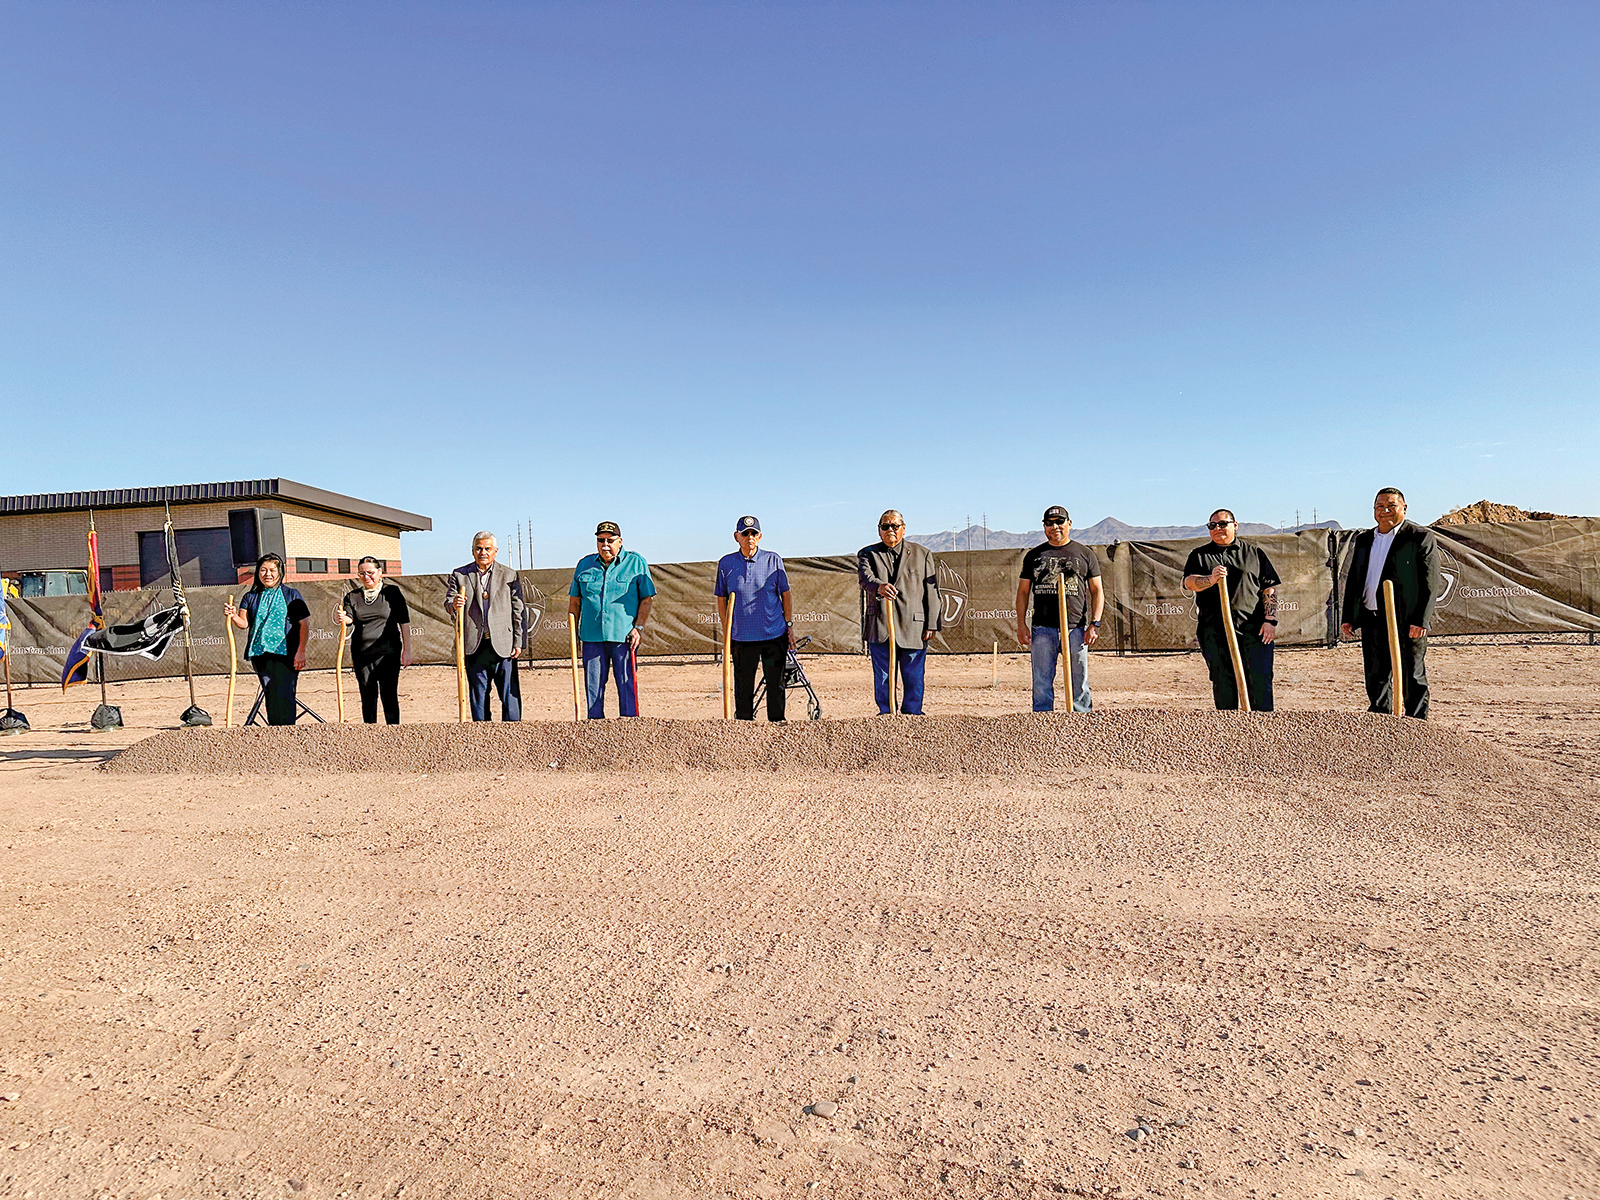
668,264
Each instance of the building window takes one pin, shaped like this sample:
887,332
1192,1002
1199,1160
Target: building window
205,557
344,566
311,566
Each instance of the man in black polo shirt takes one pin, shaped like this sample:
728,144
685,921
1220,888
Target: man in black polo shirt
1253,601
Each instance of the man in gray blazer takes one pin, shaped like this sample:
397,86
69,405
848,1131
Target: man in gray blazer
893,571
492,630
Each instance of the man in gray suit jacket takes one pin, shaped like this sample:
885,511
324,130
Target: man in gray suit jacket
492,630
893,571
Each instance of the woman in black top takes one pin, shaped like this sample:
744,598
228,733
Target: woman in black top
381,642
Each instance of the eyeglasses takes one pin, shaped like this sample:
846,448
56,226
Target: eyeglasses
754,532
891,526
607,541
1218,524
1053,521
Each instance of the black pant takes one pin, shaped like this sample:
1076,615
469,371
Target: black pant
1376,666
379,677
773,656
1257,658
483,665
278,679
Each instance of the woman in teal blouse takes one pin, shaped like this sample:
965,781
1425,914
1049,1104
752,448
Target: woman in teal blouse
278,623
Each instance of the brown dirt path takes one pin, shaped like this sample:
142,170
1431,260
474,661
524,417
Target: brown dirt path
632,982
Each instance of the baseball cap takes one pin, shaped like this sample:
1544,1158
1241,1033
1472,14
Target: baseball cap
746,524
1055,510
606,527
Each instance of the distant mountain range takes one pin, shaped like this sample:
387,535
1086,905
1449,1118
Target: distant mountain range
1103,533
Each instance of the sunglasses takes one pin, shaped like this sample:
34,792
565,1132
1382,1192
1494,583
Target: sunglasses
891,526
749,533
1053,521
1218,524
607,541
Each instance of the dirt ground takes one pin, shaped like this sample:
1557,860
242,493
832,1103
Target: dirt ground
643,973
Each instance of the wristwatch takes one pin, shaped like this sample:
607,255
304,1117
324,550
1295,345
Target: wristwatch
1096,624
1270,621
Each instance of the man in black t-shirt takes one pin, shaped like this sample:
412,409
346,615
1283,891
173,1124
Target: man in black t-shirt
1253,603
1059,566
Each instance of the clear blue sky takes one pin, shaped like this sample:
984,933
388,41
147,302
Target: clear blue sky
670,263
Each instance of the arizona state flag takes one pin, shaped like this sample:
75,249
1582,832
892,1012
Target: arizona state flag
76,668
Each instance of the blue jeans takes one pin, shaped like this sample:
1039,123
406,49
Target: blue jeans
1045,651
484,667
912,665
601,659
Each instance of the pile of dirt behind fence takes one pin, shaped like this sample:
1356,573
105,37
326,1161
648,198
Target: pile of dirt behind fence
1357,746
1480,511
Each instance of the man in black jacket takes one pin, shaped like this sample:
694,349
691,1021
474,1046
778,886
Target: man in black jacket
1407,555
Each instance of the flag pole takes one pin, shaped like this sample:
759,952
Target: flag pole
106,715
194,715
11,721
94,565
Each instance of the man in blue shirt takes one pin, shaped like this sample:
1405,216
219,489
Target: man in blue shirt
753,589
611,597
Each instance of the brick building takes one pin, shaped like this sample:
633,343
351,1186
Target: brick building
220,530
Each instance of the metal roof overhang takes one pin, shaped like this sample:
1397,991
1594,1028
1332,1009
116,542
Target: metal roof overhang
208,493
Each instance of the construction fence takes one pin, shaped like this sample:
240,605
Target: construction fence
1534,577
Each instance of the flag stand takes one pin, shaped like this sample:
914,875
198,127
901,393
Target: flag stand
106,715
194,715
11,721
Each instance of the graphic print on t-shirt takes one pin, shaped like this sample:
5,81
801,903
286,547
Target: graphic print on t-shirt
1050,568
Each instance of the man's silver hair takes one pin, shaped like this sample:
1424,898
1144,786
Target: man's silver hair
483,535
892,512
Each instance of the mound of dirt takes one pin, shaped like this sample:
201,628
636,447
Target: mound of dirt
1194,742
1489,511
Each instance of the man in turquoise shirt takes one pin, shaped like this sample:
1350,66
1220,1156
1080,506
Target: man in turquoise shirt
611,595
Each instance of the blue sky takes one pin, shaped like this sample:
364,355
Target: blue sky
667,264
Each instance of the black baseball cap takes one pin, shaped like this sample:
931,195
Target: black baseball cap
606,527
1055,510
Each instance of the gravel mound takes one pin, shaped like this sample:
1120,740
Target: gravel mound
1488,510
1358,746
